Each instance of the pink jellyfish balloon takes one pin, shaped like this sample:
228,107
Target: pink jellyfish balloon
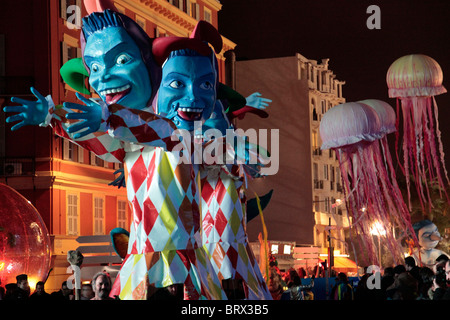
414,80
353,130
387,173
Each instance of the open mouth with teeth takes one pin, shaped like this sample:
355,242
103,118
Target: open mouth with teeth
114,95
190,114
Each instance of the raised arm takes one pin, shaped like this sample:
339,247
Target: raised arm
43,112
121,123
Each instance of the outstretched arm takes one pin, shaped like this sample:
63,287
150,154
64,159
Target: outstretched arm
125,124
43,112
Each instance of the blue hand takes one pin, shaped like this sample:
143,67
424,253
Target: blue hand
90,117
29,112
120,180
256,101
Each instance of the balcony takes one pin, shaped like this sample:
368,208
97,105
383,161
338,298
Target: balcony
318,184
316,151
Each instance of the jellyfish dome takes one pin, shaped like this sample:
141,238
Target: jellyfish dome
415,75
385,112
354,130
347,124
25,246
414,80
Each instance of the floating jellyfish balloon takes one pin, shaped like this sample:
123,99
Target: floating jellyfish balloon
387,174
353,130
25,246
414,80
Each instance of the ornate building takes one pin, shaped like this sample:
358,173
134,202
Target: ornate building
307,188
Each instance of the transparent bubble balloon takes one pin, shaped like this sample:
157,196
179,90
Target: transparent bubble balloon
25,246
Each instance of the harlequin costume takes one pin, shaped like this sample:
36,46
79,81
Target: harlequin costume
165,242
224,231
222,205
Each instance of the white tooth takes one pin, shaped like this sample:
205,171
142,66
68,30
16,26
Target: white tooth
189,109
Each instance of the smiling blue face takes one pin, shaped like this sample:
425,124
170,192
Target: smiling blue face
117,71
188,90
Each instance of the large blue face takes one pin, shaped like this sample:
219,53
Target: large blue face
117,71
188,90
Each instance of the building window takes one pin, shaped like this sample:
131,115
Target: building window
187,6
140,21
195,10
68,52
122,214
72,151
327,204
316,204
72,214
99,217
96,161
325,172
207,15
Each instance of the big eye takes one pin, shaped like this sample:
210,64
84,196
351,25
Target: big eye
175,84
95,67
122,59
206,85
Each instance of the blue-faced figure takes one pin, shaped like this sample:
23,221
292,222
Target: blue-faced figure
119,60
188,88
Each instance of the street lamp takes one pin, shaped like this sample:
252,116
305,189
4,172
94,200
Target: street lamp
378,230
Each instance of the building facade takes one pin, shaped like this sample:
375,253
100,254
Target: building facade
307,200
325,92
69,186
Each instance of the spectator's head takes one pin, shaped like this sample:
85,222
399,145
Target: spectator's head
410,263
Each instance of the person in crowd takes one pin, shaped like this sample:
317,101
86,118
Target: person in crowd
87,293
398,269
10,288
426,283
440,283
447,277
342,290
361,290
21,290
406,287
275,284
40,293
387,280
295,289
412,268
63,294
101,284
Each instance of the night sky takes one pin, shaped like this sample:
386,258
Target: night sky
336,29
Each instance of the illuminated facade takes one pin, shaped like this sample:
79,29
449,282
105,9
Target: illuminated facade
69,185
307,186
325,92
